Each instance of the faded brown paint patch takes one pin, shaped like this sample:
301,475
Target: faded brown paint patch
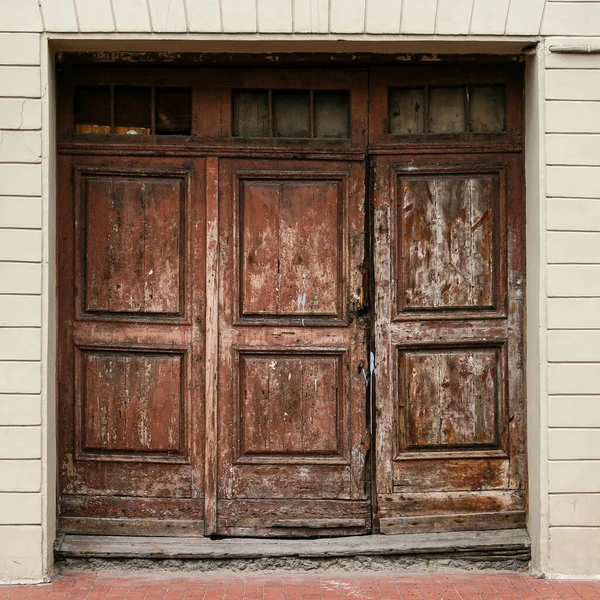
132,403
290,247
450,398
289,405
133,240
447,245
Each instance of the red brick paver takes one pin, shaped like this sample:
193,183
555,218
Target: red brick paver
360,586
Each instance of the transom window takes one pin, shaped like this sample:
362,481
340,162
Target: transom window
291,113
447,110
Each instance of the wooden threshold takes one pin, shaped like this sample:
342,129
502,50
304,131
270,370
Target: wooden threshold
470,545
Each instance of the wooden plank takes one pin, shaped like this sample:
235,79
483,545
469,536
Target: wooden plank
212,343
571,18
450,474
128,526
524,17
574,476
568,116
489,18
418,16
574,149
571,281
347,16
459,544
383,16
573,378
311,16
573,247
441,503
574,346
574,444
573,182
573,84
453,17
459,522
573,214
574,411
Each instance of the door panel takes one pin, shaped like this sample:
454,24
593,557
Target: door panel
292,397
449,310
130,368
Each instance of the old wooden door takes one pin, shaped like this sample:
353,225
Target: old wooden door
131,431
219,331
449,288
292,434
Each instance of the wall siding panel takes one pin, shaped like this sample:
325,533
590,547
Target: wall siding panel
524,17
19,49
489,18
20,343
20,442
383,16
95,15
239,16
573,214
27,18
131,15
573,182
418,16
575,379
572,117
574,411
572,84
453,17
16,560
204,15
347,16
572,281
573,150
571,18
59,15
311,16
167,15
573,247
20,509
275,16
20,409
574,313
22,213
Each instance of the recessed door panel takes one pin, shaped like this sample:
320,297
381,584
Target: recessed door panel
282,222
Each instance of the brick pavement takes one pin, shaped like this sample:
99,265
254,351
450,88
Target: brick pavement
360,586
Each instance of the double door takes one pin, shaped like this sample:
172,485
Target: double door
304,341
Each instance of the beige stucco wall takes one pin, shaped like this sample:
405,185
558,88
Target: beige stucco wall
563,179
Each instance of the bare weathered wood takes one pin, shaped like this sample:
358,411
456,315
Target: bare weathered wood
479,544
129,526
212,342
459,522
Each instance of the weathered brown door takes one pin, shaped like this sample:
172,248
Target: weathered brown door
449,306
221,319
131,419
292,403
